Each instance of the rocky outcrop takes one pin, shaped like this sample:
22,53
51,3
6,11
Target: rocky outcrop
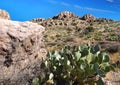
62,20
65,15
88,17
21,48
37,20
91,18
104,20
4,14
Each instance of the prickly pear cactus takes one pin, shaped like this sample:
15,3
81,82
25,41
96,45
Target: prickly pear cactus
76,65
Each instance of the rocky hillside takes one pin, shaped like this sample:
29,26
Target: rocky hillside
67,28
21,43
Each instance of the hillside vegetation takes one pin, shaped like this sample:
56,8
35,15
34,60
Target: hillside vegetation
68,29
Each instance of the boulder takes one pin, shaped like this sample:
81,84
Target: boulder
4,14
21,49
88,17
65,15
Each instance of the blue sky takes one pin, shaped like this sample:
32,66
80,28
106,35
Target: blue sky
23,10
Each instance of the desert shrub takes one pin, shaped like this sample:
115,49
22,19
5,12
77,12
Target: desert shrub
113,37
89,29
87,36
77,65
98,36
74,23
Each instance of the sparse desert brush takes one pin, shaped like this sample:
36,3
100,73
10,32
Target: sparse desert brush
113,37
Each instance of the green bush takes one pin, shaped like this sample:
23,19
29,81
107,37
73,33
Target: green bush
77,65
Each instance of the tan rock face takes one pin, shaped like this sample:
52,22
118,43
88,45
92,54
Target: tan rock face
4,14
88,18
64,15
21,48
112,78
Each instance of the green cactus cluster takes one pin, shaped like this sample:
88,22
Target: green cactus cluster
76,65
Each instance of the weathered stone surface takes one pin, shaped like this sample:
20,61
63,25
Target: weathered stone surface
21,49
112,78
65,15
88,17
4,14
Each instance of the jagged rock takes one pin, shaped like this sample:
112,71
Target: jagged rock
88,17
21,48
104,20
4,14
38,20
62,20
65,15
